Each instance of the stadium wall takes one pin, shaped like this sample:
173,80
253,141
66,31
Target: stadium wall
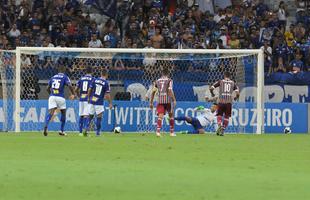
129,115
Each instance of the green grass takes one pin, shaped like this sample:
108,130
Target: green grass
139,167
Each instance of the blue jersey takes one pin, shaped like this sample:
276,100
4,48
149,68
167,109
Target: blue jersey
297,63
84,84
57,84
99,88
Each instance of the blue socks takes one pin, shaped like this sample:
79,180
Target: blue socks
63,122
81,123
180,118
98,125
48,119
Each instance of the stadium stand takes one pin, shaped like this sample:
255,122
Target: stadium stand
161,24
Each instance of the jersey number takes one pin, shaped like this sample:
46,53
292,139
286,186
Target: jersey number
56,84
98,89
227,88
85,86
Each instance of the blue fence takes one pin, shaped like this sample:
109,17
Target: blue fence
129,115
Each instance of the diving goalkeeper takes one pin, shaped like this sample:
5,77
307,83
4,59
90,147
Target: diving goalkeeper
204,118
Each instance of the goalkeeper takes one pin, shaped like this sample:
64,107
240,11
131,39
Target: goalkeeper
204,118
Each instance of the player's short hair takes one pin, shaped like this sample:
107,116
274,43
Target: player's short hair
215,104
104,72
61,68
227,74
165,71
89,70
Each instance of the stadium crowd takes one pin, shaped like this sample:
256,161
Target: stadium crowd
153,24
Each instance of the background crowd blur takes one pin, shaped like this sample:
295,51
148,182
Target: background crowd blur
177,24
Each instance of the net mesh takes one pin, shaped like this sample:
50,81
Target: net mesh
7,90
128,72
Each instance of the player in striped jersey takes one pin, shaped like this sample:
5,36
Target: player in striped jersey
225,99
166,101
81,90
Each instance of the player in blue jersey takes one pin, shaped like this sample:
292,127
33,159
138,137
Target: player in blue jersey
98,91
81,90
56,100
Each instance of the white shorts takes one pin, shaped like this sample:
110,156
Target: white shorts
92,109
56,102
83,108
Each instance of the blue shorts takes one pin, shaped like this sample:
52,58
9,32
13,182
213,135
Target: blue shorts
196,124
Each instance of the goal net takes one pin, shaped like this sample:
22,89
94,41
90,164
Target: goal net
26,71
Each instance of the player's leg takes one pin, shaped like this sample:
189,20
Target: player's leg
160,115
99,114
62,122
227,114
52,106
169,109
61,104
184,118
91,112
83,113
197,126
220,112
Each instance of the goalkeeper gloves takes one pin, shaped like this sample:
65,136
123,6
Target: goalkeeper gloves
200,108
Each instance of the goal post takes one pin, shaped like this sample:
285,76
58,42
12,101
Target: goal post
186,65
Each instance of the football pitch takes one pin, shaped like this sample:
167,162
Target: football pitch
132,166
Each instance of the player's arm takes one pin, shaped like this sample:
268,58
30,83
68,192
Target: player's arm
152,97
48,88
215,85
109,99
149,91
236,89
71,88
211,99
171,93
107,96
199,109
77,89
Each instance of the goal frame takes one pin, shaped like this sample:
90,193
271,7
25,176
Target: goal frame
260,70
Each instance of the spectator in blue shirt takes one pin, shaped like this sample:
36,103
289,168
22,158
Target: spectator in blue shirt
281,50
297,65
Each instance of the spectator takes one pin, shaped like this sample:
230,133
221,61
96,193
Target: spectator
157,39
289,36
14,32
297,65
282,14
234,42
267,50
299,32
280,66
95,42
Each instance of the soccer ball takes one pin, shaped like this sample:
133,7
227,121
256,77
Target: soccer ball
287,130
117,130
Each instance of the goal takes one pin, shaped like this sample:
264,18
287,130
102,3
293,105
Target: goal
25,73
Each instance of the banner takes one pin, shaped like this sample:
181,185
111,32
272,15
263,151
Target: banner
189,92
130,115
105,7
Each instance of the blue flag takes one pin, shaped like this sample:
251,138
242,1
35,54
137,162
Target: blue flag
105,7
